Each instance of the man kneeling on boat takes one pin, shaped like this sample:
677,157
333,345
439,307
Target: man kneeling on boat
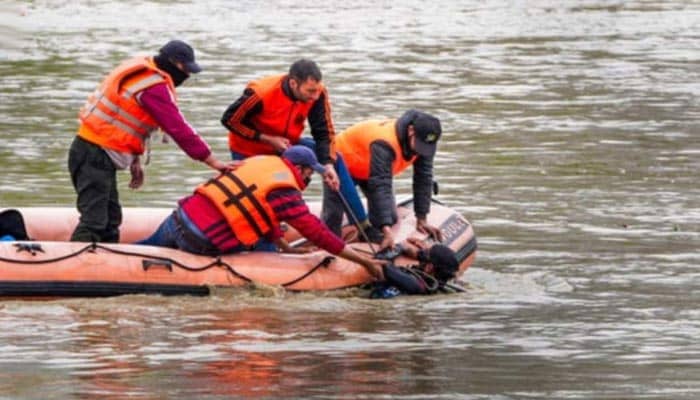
241,210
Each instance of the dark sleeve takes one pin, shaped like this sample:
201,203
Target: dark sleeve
405,281
380,195
238,115
422,185
322,128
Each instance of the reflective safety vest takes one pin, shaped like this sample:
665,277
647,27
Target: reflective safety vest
280,116
112,118
241,195
354,145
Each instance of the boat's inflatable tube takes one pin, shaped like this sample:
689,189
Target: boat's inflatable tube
51,266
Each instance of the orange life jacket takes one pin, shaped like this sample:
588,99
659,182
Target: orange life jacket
241,195
280,116
112,118
354,145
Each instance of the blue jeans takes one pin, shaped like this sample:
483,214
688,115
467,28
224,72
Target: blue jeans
347,189
333,217
189,238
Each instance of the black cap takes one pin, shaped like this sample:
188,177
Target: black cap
444,261
428,131
177,50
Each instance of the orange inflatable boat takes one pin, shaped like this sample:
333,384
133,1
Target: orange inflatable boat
51,266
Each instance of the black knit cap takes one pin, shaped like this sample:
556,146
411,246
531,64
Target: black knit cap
444,261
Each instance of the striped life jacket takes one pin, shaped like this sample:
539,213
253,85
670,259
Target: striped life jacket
112,118
241,195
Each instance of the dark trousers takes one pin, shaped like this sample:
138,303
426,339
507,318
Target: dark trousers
94,178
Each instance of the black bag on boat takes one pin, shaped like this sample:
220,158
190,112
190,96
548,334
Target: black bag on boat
12,224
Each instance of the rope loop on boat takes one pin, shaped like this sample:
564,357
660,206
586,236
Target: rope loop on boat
92,247
216,263
324,263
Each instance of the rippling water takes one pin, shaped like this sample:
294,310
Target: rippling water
570,143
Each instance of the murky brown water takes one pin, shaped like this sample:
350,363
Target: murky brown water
571,144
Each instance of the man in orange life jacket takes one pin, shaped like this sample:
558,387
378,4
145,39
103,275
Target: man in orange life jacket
271,114
242,210
377,150
115,125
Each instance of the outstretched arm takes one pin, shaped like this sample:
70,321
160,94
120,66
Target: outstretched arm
374,267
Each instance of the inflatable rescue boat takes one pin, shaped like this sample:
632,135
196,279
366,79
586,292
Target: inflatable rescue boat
49,266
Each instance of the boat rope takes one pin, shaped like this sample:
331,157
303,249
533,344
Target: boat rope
217,262
33,249
324,263
94,246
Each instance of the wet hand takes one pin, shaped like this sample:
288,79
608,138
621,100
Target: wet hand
418,244
374,267
422,226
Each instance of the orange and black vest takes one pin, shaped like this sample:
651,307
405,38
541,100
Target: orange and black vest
354,145
112,118
280,116
241,195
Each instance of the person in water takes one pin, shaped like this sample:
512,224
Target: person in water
241,210
437,265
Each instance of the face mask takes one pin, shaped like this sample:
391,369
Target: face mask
172,70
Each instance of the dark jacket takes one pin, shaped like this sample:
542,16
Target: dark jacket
401,280
379,187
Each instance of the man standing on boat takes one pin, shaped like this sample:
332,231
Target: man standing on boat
271,115
241,210
134,100
377,150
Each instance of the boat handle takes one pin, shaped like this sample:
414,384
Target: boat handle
155,263
29,247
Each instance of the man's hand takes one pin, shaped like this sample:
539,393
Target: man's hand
137,176
374,267
418,243
388,240
215,164
422,226
330,177
279,143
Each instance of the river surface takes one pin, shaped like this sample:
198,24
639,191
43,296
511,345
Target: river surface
571,144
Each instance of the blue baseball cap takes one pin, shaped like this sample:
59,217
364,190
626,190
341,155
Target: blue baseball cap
177,50
302,155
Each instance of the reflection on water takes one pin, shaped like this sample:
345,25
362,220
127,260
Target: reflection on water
570,143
